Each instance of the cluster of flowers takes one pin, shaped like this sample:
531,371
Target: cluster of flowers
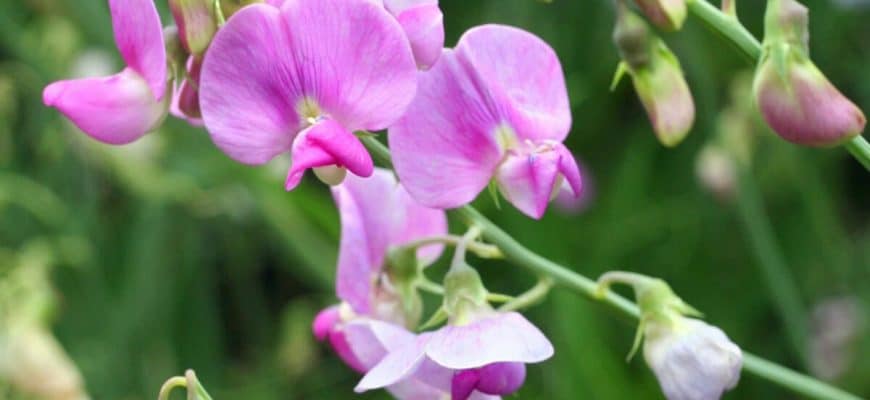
304,76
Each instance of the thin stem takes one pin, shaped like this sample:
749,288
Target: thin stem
170,385
531,297
431,287
521,256
780,283
729,27
860,149
482,250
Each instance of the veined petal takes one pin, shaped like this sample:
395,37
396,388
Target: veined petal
366,226
371,340
417,222
444,148
139,36
523,76
507,337
424,27
529,180
399,364
117,109
328,143
351,57
249,107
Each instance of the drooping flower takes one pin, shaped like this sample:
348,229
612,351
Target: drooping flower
123,107
379,297
795,98
691,359
657,77
495,107
313,72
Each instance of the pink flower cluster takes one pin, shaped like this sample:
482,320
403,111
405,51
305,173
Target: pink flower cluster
302,77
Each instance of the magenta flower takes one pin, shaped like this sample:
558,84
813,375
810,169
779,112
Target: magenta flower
487,356
496,107
302,78
123,107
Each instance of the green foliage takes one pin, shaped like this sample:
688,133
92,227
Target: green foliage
166,255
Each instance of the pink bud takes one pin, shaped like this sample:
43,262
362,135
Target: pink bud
665,14
795,98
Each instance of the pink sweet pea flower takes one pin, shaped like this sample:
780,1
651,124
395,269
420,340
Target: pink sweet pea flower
377,214
185,95
423,23
302,78
495,107
123,107
486,356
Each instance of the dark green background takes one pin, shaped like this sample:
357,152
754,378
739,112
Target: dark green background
185,259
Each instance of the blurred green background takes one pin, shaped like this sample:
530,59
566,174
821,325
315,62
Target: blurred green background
164,255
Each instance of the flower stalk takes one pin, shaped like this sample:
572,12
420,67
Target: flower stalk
563,276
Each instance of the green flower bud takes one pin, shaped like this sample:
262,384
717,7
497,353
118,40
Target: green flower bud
197,22
665,14
657,78
464,294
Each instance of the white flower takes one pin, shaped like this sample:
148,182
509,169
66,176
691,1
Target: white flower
691,359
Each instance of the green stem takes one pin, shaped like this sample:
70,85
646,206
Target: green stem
521,256
729,27
482,250
529,298
780,282
860,149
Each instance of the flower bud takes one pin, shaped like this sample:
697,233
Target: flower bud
665,14
716,171
795,98
691,359
197,23
33,361
657,77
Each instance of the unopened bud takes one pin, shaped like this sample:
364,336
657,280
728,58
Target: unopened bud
657,77
716,170
197,22
33,361
795,98
665,14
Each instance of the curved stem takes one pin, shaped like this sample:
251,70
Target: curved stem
529,298
521,256
482,250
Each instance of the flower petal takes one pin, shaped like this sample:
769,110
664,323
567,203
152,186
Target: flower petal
325,322
370,340
501,378
366,226
463,383
248,107
352,57
505,337
399,364
444,148
117,109
528,181
523,75
328,143
417,222
139,36
424,27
